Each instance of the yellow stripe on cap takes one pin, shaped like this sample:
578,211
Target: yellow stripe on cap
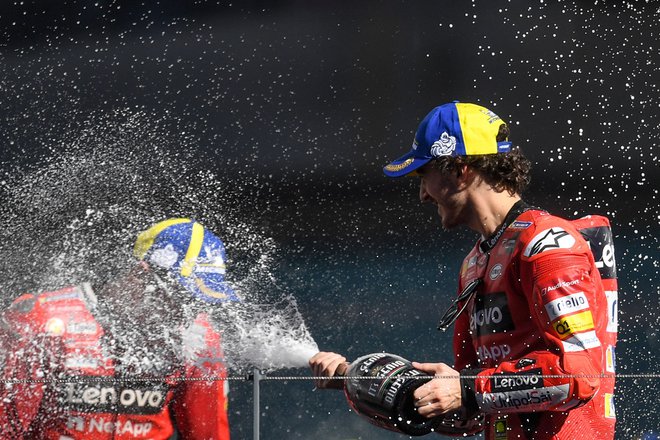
193,250
146,239
207,291
479,128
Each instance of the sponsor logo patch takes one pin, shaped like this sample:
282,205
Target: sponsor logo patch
574,324
525,400
212,262
164,257
520,225
602,247
609,406
566,304
610,359
494,352
491,314
499,429
109,397
525,380
76,423
99,425
559,285
606,264
492,117
553,238
581,342
444,146
495,271
524,362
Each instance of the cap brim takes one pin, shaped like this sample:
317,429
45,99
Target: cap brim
404,165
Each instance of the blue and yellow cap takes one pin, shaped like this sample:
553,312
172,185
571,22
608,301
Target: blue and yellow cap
454,129
191,254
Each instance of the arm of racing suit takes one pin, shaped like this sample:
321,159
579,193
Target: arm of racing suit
563,291
200,406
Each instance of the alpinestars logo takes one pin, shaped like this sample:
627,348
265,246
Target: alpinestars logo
553,238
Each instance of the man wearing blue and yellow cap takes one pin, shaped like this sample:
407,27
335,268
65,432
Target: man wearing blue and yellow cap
535,316
129,364
190,254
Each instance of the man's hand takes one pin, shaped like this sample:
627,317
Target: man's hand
328,364
438,396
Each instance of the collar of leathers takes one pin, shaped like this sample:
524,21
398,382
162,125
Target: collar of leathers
518,208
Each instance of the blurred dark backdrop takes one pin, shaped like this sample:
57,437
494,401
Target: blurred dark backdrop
297,105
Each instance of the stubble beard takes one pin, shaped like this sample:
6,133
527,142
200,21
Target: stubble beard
452,217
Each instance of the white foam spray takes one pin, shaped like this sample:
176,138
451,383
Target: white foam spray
73,218
267,336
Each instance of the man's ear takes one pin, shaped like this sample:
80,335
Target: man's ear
464,175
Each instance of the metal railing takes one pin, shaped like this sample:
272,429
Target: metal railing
257,376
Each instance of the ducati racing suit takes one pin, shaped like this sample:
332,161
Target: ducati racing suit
55,336
540,332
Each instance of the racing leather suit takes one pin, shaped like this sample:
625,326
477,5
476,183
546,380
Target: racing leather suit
56,336
540,332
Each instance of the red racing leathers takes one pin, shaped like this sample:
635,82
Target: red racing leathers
540,331
55,336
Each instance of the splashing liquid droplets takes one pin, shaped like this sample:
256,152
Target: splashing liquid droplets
80,211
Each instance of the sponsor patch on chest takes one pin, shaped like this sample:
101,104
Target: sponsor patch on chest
491,314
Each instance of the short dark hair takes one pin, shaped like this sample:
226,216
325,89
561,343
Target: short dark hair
503,171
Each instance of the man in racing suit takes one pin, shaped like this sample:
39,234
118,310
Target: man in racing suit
539,334
535,318
130,364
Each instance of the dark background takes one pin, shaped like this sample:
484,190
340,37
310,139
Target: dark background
295,107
